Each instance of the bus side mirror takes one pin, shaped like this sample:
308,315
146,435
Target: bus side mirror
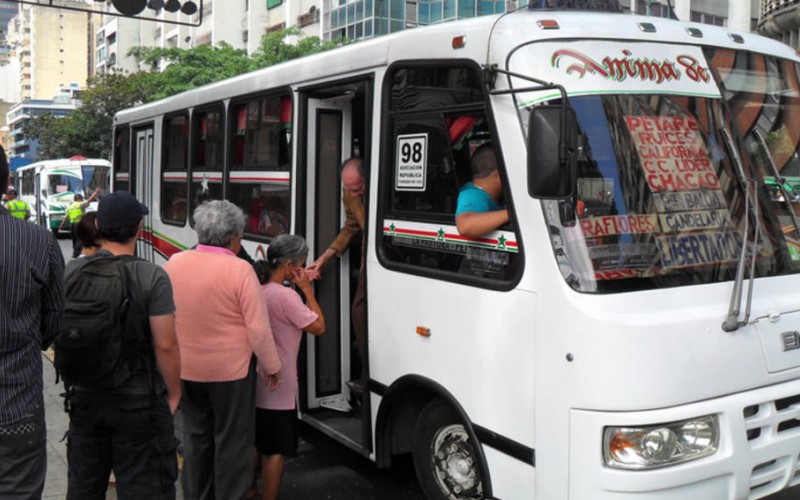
552,152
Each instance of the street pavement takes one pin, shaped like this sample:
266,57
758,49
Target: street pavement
55,484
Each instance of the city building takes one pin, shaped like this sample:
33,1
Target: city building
780,19
356,19
7,12
52,48
112,41
736,14
67,99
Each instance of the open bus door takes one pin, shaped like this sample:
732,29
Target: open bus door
332,121
143,163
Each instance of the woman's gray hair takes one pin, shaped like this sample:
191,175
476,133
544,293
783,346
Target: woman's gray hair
217,222
285,248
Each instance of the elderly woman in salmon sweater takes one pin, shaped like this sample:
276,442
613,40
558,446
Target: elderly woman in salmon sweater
221,321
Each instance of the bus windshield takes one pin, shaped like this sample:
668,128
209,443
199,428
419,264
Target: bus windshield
662,179
93,176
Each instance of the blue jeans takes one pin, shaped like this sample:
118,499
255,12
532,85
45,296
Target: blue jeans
129,434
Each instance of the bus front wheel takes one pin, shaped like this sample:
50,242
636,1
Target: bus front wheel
444,458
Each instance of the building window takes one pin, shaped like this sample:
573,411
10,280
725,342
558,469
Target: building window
702,17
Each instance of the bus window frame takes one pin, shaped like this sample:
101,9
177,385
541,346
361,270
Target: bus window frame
124,129
230,121
204,108
187,113
386,169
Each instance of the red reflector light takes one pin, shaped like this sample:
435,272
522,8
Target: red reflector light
547,24
459,41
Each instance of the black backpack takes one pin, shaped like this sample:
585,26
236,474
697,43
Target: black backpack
102,336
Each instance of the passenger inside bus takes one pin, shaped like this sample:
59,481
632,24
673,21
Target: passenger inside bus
479,210
354,189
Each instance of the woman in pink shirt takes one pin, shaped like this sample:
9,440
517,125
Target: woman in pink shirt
221,321
276,413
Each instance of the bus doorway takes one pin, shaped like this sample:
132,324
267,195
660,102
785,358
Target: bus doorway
143,154
336,123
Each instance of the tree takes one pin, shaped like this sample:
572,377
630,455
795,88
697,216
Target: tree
87,131
185,69
288,44
52,133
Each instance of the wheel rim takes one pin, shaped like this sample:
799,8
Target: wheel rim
454,463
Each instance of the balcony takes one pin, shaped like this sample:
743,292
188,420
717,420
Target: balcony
778,18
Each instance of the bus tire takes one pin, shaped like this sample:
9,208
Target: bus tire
444,458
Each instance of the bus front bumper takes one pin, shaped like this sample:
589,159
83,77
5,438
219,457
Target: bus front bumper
758,452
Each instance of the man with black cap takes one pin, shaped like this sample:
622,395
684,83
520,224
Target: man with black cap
31,301
129,429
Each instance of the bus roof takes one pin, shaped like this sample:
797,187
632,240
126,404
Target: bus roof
65,162
506,30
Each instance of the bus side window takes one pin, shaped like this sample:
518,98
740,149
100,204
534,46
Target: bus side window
208,139
434,129
260,175
174,170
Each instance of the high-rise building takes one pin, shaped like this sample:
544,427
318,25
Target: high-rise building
356,19
52,47
780,19
22,112
239,23
736,14
7,12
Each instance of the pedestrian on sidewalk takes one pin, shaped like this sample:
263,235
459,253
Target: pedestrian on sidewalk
221,321
73,215
88,234
31,301
276,410
128,428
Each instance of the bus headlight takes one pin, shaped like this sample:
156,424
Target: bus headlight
653,446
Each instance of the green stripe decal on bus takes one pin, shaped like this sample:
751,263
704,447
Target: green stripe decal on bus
498,240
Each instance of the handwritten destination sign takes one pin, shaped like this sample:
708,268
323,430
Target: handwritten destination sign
672,154
594,227
681,201
691,221
697,249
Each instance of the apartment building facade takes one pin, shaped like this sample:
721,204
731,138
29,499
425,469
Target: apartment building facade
780,19
52,48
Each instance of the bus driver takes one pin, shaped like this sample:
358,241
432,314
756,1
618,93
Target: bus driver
478,210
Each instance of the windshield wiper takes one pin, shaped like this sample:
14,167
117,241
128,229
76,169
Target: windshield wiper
732,322
787,198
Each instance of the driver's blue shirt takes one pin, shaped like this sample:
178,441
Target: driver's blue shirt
471,198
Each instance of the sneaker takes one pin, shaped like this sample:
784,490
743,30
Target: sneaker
357,385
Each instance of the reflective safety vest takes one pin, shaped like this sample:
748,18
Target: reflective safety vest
18,208
75,212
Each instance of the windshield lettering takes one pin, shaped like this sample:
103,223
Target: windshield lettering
660,198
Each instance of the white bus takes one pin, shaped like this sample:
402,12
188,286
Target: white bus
50,186
602,344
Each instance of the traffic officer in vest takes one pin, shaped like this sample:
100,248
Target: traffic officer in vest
73,215
18,208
